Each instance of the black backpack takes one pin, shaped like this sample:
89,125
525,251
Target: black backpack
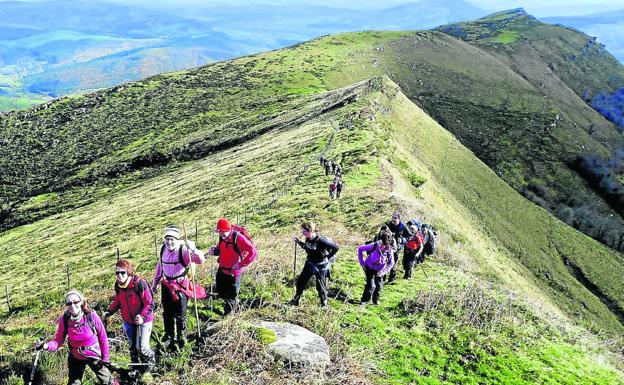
140,285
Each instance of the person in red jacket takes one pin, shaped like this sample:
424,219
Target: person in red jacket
134,298
234,252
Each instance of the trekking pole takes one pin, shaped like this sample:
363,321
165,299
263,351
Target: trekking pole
294,269
6,290
193,283
117,253
68,282
138,340
196,232
34,367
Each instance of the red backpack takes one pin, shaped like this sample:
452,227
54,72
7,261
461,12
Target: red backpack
236,231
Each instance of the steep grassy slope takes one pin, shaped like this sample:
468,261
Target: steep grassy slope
523,118
484,313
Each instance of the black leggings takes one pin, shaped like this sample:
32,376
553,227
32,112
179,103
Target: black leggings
174,313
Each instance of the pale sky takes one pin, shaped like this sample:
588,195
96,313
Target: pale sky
539,8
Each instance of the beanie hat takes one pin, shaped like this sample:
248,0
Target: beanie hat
76,293
172,231
223,225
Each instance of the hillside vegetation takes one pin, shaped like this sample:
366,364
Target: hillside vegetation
517,104
497,305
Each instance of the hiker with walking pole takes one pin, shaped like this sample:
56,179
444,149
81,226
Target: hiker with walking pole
134,298
87,340
172,270
234,251
321,252
377,264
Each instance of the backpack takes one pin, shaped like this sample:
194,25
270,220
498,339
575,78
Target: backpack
432,237
413,221
89,317
188,269
236,231
140,285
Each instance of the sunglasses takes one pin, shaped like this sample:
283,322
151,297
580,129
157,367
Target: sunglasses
120,273
72,303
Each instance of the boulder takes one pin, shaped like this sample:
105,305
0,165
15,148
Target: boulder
297,346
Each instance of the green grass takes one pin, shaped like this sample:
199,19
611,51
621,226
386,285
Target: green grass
480,315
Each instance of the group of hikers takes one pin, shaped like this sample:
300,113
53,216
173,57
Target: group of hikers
378,257
85,331
333,168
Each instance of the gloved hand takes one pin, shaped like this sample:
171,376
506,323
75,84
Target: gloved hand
139,320
296,240
191,245
41,344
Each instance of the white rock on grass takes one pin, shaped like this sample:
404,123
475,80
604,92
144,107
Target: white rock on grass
297,346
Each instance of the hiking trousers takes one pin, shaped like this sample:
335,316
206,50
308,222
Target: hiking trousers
320,273
174,314
139,339
409,259
228,287
373,287
393,272
77,368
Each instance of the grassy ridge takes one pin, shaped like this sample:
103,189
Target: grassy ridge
525,125
426,331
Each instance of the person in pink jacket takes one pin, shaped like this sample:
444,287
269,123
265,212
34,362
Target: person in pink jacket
134,298
87,340
172,270
377,264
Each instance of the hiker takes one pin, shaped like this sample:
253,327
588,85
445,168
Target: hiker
379,262
429,239
332,190
173,269
322,160
234,251
327,166
332,166
413,251
134,298
338,170
401,234
87,340
321,253
339,185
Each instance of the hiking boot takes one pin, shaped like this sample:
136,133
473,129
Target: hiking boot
294,301
376,302
324,304
181,342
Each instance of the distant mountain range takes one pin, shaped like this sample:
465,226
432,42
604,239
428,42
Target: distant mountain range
50,49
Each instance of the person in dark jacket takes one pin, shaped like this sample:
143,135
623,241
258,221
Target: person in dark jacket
134,298
401,234
321,252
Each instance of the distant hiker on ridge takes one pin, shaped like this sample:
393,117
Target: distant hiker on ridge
321,253
87,340
133,297
235,251
339,185
173,269
379,262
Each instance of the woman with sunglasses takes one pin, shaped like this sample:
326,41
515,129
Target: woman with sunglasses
133,297
321,253
86,336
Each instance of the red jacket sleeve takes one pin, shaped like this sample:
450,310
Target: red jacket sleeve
247,250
